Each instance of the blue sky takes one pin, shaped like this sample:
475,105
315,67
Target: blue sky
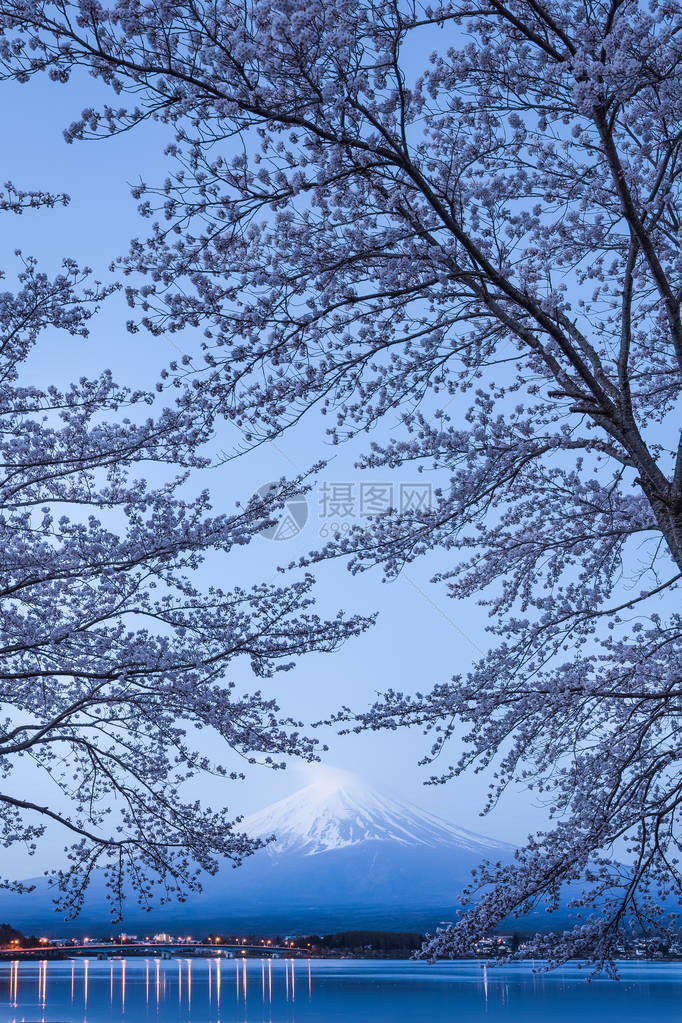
421,637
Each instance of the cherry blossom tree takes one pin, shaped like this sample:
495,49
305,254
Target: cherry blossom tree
480,248
112,657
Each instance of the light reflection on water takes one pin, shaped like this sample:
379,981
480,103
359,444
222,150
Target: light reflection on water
334,991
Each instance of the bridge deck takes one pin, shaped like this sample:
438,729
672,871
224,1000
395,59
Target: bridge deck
150,950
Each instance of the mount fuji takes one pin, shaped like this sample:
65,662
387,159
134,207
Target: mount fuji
342,856
342,812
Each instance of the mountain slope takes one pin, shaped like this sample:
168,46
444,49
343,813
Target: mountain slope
331,815
344,856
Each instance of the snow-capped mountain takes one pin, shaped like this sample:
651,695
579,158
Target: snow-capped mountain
341,811
344,856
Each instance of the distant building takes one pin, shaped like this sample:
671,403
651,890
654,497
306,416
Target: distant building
164,939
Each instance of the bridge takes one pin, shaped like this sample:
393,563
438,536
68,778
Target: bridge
152,950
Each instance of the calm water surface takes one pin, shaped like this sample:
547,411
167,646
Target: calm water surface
288,991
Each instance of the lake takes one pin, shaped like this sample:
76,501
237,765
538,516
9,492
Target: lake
352,991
